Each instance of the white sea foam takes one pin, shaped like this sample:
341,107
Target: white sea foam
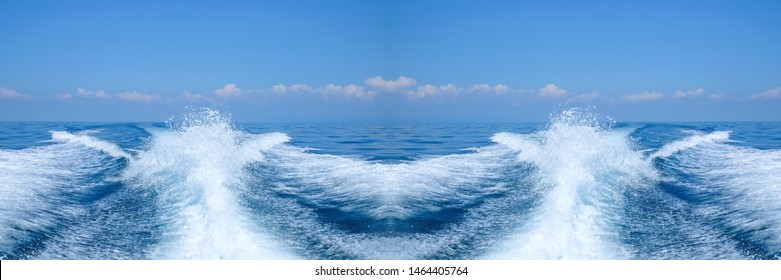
389,190
586,168
37,186
389,195
194,166
690,142
91,142
741,188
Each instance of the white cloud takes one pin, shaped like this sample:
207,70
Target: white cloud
552,90
229,90
771,93
643,96
329,89
479,88
64,96
500,88
136,96
357,91
586,97
300,88
449,88
690,93
431,90
390,85
194,97
9,93
332,88
90,93
279,88
378,85
717,96
349,90
426,90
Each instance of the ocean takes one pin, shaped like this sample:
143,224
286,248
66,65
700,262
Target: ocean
201,186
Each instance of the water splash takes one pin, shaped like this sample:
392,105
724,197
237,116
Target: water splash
586,167
194,166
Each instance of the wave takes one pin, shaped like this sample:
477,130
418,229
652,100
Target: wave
91,142
579,188
387,190
193,167
585,167
43,188
387,210
690,142
739,192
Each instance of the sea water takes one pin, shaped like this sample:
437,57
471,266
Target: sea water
580,186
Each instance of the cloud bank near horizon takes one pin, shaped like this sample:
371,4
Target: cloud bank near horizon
378,86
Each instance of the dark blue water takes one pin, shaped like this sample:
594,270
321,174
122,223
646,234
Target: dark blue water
577,187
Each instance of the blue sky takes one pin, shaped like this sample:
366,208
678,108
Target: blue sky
390,60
